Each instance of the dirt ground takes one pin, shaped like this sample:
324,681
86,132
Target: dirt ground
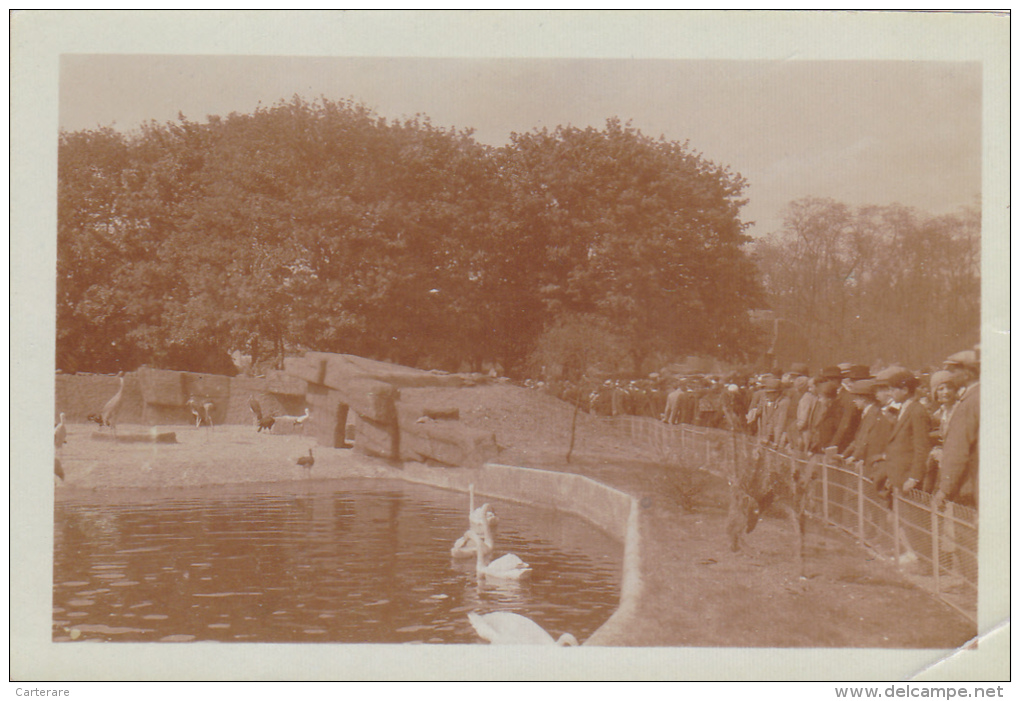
696,591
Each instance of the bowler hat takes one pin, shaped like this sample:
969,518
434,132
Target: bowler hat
830,373
899,378
799,369
858,372
865,387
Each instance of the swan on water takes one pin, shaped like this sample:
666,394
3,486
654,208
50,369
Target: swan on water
505,628
508,566
481,521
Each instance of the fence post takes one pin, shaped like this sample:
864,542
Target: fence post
860,500
935,546
826,458
896,524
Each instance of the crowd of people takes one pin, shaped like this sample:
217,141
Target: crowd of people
911,430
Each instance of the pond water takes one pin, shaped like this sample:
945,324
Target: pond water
361,561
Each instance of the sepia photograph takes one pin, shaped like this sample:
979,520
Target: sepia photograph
392,345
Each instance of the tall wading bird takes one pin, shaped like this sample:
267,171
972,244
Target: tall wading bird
60,432
112,407
505,628
207,409
195,411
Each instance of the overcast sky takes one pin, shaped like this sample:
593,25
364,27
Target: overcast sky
861,132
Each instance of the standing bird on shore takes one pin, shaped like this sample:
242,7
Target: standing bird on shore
261,422
207,409
195,411
112,407
306,461
60,432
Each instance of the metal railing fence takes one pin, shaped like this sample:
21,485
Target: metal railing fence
935,546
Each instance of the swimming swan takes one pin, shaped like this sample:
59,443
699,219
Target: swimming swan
505,628
507,567
483,522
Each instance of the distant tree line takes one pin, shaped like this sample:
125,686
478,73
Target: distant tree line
324,226
875,285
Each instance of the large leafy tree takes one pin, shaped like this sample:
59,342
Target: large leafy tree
644,233
321,225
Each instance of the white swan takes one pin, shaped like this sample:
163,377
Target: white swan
505,628
483,522
508,566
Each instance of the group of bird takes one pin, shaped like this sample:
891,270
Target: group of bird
500,627
267,421
202,412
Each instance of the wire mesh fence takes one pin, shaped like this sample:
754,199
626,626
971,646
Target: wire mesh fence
934,545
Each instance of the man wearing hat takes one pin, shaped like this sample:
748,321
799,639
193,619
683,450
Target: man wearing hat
851,417
769,424
826,412
873,432
902,462
795,385
959,471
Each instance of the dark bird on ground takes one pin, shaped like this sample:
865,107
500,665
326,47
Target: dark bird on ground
112,407
306,461
60,432
261,422
58,470
96,419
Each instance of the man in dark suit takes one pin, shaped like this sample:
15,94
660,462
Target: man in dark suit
902,462
826,412
873,432
851,415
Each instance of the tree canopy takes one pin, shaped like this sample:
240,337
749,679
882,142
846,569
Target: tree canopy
875,284
320,225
